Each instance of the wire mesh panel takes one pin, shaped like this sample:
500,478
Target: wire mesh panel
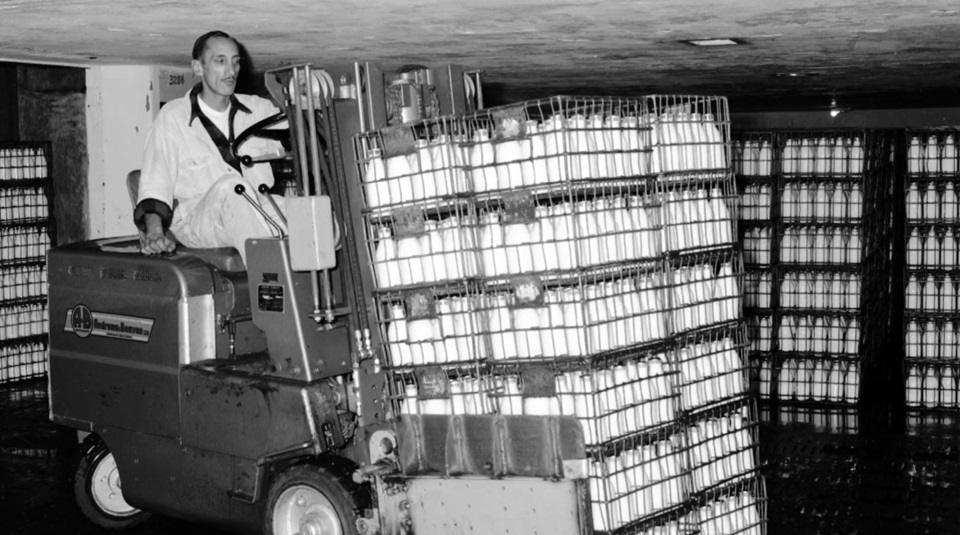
641,479
705,291
25,238
722,446
740,508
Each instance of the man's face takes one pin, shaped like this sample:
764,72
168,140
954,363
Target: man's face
219,66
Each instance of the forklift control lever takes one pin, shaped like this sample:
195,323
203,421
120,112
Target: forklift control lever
242,191
265,191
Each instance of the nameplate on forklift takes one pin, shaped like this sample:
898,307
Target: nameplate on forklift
84,322
270,297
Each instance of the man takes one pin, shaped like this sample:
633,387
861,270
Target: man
188,175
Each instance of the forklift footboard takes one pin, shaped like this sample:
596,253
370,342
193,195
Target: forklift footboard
491,445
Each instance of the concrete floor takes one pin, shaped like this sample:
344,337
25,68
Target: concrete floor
823,475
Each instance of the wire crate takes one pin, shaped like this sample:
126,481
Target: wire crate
821,202
434,326
932,385
23,359
705,290
23,282
931,292
932,154
754,156
757,241
643,480
24,161
441,390
818,289
722,445
932,200
819,334
932,338
740,508
823,154
699,212
818,380
417,246
24,244
757,289
712,369
760,332
824,244
690,133
932,247
522,233
419,163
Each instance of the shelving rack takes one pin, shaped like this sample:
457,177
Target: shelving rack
830,194
576,256
930,317
26,234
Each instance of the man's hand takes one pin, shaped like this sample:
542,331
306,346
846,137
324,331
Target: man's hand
155,242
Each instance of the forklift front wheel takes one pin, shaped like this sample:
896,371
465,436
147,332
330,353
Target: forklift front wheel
96,487
310,500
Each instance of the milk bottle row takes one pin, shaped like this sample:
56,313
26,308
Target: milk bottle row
564,236
755,202
555,151
569,236
23,204
836,381
721,449
22,163
23,320
637,483
694,220
833,336
733,515
757,286
752,158
933,340
702,296
688,142
757,243
445,250
821,201
22,361
932,249
823,156
930,202
709,372
467,395
23,243
931,293
569,323
760,333
820,290
820,245
618,402
932,386
23,282
932,154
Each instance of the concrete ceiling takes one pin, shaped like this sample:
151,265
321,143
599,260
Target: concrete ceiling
797,55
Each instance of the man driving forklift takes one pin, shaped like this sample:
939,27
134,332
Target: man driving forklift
189,175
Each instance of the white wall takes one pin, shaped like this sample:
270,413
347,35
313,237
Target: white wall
122,101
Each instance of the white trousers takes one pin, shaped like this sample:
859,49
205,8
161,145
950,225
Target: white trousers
222,218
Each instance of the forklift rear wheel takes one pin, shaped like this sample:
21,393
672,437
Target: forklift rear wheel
96,487
310,500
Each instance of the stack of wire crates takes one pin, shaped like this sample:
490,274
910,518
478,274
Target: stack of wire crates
932,232
26,234
818,294
576,257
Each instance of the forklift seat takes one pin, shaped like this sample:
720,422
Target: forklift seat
222,258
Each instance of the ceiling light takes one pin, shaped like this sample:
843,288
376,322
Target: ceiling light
722,41
835,109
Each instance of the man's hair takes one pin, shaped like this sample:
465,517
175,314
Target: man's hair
201,43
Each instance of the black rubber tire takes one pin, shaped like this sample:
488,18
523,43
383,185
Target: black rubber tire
92,452
340,490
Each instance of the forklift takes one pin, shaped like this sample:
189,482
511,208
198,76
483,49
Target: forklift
252,397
